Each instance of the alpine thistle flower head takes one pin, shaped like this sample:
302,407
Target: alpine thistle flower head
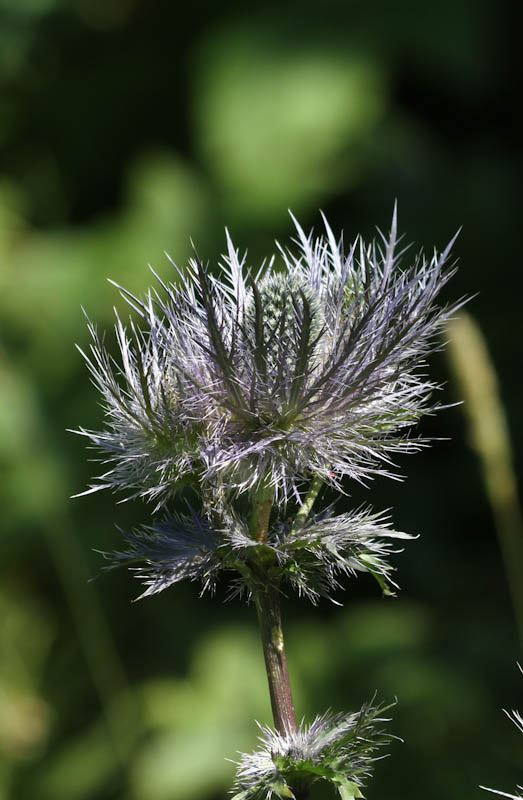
250,381
337,748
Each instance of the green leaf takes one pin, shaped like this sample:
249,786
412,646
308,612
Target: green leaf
348,789
281,789
277,787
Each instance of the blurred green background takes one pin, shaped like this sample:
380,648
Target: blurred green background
126,127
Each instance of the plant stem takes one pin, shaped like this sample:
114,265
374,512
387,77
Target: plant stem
267,601
303,514
261,512
269,616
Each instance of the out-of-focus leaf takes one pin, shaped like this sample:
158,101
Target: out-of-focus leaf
25,638
282,126
80,769
31,484
46,278
190,764
200,722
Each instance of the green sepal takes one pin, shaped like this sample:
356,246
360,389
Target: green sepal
281,789
277,786
348,790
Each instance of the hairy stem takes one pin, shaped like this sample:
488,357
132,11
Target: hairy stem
303,514
261,512
269,616
267,601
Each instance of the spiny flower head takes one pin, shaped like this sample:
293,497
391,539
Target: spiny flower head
245,381
338,748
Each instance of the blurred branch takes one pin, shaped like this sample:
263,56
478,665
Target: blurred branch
95,638
478,385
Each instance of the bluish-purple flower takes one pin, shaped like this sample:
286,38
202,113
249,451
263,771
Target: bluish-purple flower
314,365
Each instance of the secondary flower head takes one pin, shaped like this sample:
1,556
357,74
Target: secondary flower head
314,365
337,748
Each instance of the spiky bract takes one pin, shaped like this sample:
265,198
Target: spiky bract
517,719
242,380
178,547
329,548
312,559
339,748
